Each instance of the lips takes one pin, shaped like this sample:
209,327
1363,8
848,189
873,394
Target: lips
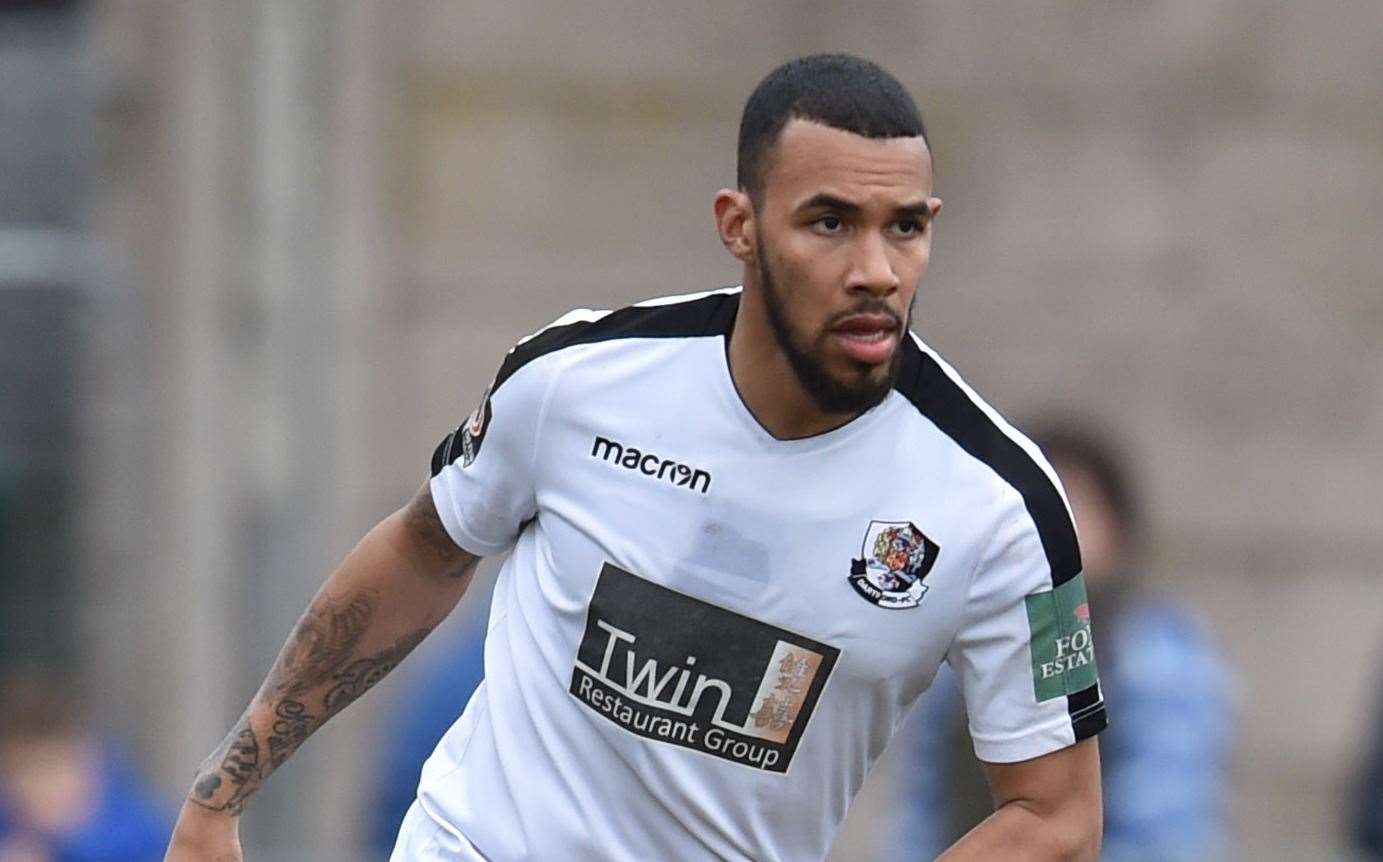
867,338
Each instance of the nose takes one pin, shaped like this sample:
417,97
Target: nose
873,271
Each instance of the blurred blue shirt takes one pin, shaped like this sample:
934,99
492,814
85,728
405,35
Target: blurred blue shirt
128,823
1164,756
434,697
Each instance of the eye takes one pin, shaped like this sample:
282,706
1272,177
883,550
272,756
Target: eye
909,227
829,224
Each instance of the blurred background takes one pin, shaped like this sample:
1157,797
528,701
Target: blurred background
257,257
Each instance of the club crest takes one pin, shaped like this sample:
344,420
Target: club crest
894,558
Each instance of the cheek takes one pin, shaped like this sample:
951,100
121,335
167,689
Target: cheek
804,278
805,259
913,265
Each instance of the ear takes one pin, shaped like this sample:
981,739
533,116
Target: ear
734,214
934,204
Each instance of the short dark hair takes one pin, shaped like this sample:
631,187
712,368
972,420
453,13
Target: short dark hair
838,90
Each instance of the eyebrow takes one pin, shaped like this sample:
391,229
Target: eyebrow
822,200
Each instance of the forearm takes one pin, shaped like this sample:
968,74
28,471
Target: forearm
1019,833
391,590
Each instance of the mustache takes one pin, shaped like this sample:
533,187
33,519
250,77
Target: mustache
874,306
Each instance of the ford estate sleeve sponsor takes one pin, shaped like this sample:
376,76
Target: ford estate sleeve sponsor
675,669
1063,652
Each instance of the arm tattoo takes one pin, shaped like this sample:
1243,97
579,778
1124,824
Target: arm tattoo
291,727
320,653
318,674
361,675
426,524
322,641
240,766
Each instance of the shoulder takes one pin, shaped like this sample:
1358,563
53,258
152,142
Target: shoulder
528,376
1027,488
694,315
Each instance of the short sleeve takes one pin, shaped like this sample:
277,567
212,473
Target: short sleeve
482,473
1024,654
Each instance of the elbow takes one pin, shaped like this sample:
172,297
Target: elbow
1073,834
1080,840
1087,849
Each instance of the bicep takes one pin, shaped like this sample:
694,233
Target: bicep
1024,654
1046,808
484,473
435,551
1059,795
1064,783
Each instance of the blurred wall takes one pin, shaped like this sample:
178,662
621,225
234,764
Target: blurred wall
44,127
336,217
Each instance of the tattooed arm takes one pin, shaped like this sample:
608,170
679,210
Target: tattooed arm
403,579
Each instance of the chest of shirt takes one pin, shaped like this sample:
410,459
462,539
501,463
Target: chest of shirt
864,540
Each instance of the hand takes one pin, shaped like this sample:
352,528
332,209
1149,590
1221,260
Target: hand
202,835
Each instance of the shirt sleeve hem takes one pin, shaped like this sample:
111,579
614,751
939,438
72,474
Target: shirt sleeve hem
1039,741
1091,723
463,537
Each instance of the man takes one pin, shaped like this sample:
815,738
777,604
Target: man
745,527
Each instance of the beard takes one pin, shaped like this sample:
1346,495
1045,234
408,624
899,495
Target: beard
850,393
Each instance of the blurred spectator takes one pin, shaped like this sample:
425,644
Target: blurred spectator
1368,808
65,795
433,699
1164,755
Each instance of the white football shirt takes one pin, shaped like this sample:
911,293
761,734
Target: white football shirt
704,636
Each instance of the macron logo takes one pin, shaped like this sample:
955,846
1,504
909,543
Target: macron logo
651,465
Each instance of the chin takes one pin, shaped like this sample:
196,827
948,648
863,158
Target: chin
862,386
854,395
867,376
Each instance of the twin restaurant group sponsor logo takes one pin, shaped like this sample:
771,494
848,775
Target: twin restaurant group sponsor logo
669,667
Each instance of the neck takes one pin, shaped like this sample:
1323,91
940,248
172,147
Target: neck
765,380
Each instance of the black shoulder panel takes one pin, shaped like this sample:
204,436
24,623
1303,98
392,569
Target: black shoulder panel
712,314
923,382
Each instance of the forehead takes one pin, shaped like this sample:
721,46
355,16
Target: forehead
811,158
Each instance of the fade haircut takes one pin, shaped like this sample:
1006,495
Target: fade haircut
837,90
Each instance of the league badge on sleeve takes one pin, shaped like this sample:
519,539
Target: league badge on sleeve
473,432
894,559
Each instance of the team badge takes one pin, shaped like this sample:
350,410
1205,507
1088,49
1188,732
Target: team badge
473,432
894,559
